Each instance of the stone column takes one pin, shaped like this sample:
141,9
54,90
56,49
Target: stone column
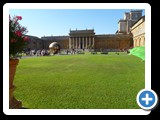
82,42
135,42
73,42
79,42
143,43
93,41
69,43
90,42
86,42
76,43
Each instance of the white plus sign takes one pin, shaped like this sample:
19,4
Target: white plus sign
147,99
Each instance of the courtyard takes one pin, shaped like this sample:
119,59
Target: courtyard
84,81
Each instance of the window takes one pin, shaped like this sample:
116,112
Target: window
122,27
136,15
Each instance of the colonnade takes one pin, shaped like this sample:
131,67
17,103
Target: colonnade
85,42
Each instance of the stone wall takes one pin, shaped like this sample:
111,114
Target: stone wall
138,32
113,42
62,40
34,43
63,43
109,42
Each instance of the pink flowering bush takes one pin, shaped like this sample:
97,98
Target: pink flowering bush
17,38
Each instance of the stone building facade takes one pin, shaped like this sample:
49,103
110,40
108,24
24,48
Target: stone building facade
84,40
81,39
124,25
138,32
113,42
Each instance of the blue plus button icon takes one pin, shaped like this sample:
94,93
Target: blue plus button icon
147,99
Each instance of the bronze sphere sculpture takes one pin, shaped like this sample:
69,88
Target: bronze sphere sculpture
54,47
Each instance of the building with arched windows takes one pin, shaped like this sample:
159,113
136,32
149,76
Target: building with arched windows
138,31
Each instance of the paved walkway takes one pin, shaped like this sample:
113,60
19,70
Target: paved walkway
29,56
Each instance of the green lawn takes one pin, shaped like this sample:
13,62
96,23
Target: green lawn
80,81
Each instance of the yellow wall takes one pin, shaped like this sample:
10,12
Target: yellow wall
138,32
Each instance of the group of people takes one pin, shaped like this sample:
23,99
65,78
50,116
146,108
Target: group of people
40,52
72,51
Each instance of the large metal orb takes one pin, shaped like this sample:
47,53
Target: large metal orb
54,47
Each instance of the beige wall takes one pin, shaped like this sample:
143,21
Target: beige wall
122,26
63,43
113,42
138,32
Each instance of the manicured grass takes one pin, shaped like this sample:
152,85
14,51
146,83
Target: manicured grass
80,81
